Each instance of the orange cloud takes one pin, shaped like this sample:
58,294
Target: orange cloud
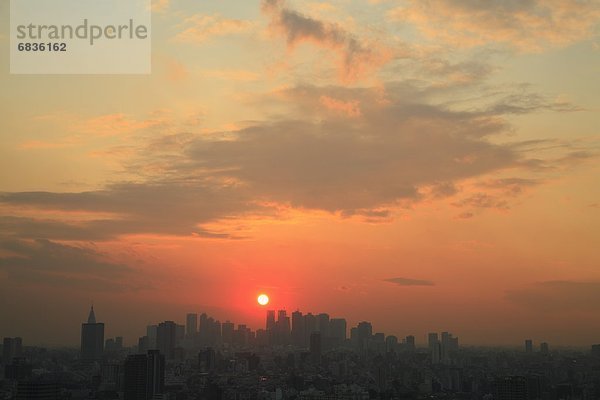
199,28
349,108
232,74
523,25
115,124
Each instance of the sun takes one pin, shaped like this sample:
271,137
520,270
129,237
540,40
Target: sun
263,299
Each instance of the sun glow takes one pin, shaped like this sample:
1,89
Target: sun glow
263,299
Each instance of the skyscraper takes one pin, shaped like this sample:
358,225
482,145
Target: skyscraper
227,332
12,347
166,339
337,329
529,346
323,325
310,326
432,339
364,333
191,325
297,328
283,327
144,376
315,347
270,320
409,343
92,338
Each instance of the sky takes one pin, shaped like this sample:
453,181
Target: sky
425,165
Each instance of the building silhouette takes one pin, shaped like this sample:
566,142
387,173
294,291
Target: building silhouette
310,326
409,343
528,346
191,325
298,328
144,376
364,332
166,339
511,388
92,338
315,347
11,348
337,329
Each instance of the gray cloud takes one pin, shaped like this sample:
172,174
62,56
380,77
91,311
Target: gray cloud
297,28
160,208
409,282
399,143
50,263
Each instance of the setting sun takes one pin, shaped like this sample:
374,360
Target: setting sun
263,299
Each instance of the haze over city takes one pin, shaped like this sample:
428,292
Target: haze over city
426,166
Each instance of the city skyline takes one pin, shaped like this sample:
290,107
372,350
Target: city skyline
423,165
98,343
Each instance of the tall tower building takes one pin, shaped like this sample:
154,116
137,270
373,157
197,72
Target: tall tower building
12,347
315,347
166,338
409,343
191,325
310,326
270,320
337,329
297,328
144,376
92,338
227,329
528,346
364,332
432,340
323,325
283,327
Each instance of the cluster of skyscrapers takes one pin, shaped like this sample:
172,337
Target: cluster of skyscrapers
302,355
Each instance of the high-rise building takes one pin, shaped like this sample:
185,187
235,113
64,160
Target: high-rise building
207,360
511,388
337,329
166,339
432,339
12,347
151,332
544,348
391,343
323,325
364,333
409,343
436,352
315,347
227,332
92,338
449,346
297,328
270,320
191,325
529,346
283,328
310,326
144,376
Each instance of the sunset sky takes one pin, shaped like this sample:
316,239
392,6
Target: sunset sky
425,165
